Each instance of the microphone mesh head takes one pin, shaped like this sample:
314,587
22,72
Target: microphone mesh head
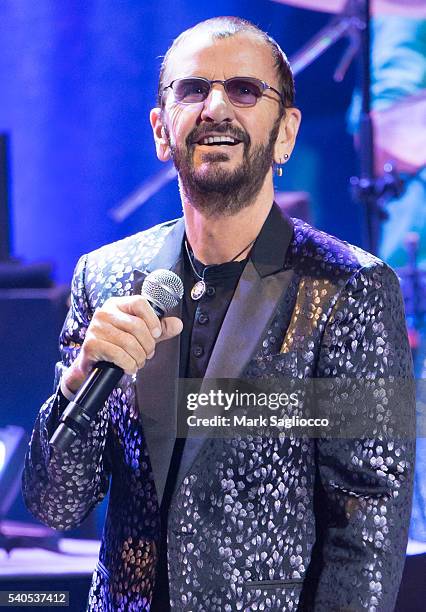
163,289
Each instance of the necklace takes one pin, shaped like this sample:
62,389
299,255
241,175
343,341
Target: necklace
199,289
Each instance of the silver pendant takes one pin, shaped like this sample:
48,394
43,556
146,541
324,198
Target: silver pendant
198,290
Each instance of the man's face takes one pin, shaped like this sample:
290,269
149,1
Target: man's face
222,177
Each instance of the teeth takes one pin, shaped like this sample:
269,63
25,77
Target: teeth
218,139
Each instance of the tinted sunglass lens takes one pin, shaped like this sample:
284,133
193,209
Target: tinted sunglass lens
191,90
243,91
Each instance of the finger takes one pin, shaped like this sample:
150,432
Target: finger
106,351
131,324
138,306
171,327
98,335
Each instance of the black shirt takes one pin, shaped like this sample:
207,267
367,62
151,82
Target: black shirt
202,320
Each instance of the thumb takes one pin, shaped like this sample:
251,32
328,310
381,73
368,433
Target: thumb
170,326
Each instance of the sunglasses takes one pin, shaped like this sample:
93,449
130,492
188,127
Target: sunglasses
241,91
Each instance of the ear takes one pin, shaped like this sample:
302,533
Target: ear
287,133
162,145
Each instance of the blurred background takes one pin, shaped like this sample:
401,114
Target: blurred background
78,166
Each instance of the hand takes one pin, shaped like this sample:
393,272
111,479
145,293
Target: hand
124,331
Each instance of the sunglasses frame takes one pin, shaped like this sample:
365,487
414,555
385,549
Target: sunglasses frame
263,86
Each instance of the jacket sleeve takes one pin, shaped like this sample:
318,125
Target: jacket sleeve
365,481
61,489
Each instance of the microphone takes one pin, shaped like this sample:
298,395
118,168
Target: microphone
163,290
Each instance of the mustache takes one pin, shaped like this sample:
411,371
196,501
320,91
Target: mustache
219,128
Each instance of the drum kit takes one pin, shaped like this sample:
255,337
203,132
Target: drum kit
390,142
389,145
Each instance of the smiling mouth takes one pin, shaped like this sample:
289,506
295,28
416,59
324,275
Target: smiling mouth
218,141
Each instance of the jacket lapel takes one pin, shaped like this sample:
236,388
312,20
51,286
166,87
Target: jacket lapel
156,382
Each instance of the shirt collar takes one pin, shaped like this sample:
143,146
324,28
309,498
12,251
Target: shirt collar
269,252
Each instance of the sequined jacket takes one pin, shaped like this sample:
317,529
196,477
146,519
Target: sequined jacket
275,523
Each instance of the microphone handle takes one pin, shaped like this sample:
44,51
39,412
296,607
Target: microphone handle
77,417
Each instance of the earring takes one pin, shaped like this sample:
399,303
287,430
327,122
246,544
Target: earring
278,169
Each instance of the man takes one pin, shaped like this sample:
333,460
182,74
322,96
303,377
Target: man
245,523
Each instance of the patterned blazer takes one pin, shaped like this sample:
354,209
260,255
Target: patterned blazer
275,523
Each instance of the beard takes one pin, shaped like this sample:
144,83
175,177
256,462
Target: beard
214,190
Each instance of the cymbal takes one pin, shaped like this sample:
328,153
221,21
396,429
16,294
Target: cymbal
403,8
399,134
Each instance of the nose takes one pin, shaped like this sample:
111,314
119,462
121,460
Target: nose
217,106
